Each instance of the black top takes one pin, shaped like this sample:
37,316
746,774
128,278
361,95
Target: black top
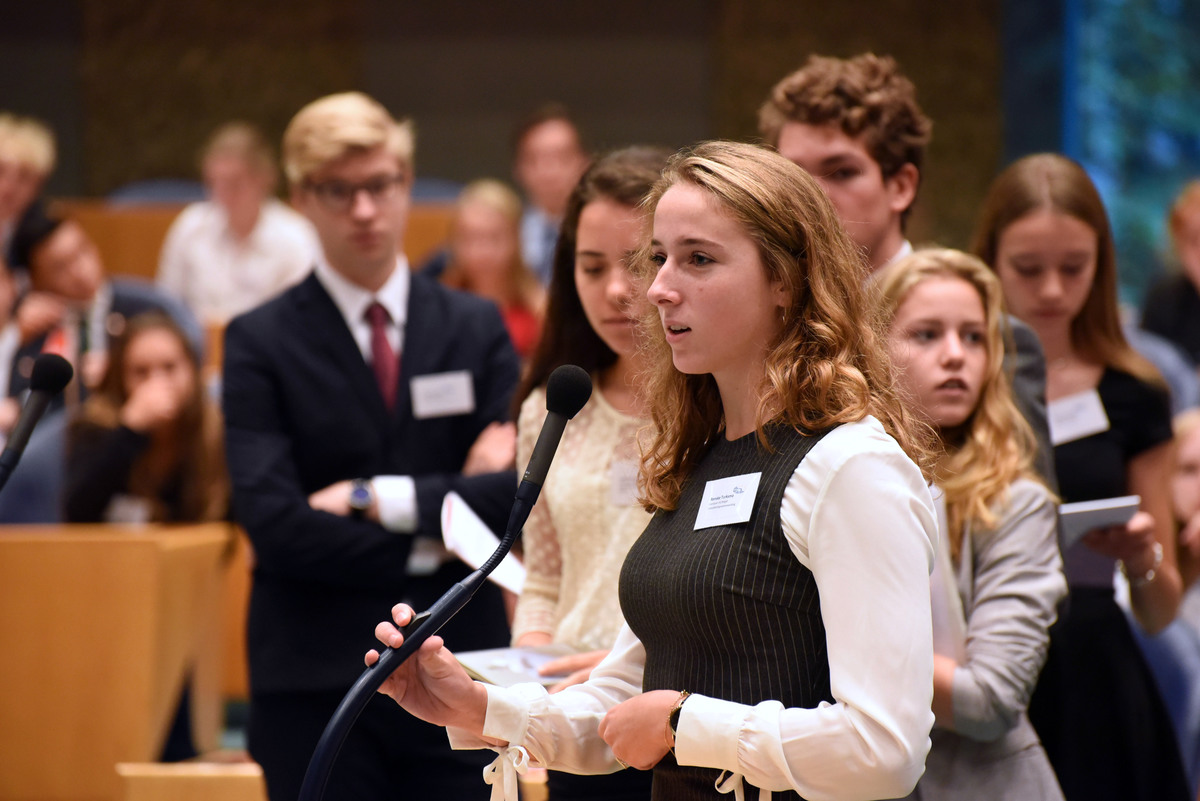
99,461
1172,310
727,611
1094,467
1139,417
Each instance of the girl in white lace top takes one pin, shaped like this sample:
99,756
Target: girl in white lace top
577,536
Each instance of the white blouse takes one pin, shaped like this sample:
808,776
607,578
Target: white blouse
859,515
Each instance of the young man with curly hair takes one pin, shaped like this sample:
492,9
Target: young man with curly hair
855,125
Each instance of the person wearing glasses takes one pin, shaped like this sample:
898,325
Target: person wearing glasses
354,401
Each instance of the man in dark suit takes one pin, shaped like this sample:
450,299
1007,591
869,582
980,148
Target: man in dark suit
353,402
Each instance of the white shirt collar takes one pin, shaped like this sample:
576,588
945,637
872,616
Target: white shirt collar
352,300
905,249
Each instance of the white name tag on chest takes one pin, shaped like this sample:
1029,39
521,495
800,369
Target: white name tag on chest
623,489
727,501
443,394
1076,416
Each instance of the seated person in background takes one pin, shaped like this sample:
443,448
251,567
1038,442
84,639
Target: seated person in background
73,309
147,444
1172,307
10,340
27,156
548,158
485,259
999,575
230,253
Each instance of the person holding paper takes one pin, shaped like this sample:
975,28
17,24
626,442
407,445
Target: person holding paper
778,627
577,536
1043,229
354,401
999,575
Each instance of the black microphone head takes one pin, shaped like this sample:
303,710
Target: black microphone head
567,389
51,373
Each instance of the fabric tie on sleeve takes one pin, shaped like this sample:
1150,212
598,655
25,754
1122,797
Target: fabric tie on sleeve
501,773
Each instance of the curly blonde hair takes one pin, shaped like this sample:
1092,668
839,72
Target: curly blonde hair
995,446
828,363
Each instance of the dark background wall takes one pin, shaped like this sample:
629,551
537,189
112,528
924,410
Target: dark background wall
132,87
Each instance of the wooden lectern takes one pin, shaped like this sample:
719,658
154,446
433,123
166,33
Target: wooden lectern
99,624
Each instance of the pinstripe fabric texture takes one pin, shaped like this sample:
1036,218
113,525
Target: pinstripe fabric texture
727,611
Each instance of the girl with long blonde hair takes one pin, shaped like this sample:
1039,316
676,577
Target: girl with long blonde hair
999,575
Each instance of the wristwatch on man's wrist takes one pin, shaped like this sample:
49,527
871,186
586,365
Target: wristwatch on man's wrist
362,496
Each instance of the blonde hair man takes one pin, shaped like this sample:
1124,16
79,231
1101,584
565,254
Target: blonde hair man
354,402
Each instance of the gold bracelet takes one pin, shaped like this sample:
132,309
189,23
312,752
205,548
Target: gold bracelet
673,718
1151,574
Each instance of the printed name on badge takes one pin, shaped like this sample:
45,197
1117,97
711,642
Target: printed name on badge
443,394
1076,416
727,501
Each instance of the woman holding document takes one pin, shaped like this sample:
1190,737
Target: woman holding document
999,574
778,640
577,536
1045,233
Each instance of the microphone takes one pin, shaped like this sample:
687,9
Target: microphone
567,390
51,373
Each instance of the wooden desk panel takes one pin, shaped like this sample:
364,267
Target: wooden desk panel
99,625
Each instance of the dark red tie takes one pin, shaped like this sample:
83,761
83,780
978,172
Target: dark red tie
383,358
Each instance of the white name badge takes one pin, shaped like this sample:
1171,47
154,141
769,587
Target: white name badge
622,478
1076,416
443,394
727,500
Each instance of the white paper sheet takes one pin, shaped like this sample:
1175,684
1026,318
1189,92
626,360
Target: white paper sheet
468,538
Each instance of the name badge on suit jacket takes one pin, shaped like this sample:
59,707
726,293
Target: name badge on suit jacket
443,394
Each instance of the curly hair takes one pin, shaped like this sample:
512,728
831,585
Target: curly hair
826,365
864,96
995,446
1052,181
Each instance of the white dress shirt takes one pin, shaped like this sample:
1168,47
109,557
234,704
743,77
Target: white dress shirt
858,513
396,495
219,275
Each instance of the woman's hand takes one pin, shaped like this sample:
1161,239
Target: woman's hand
431,684
1132,543
153,404
578,668
636,730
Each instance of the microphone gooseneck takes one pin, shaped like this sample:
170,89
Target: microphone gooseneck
51,373
567,390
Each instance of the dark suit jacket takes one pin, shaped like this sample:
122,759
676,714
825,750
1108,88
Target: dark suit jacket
303,411
1026,365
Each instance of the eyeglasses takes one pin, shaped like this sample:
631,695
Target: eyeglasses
338,196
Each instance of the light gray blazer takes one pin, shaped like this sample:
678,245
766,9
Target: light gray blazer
1010,581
